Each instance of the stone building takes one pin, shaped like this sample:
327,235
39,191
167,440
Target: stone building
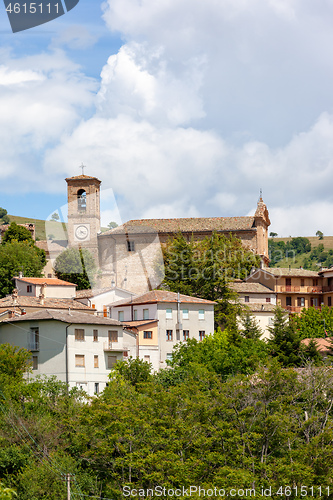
130,255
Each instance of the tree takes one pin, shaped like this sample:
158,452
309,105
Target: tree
272,235
7,493
4,218
14,362
76,266
320,235
134,370
19,256
16,232
251,329
204,269
285,344
112,225
55,217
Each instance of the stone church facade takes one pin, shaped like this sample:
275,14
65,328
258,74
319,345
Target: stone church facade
129,255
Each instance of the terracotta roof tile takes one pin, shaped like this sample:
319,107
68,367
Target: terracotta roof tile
141,322
47,281
323,345
285,271
49,303
257,307
72,317
190,225
163,296
245,287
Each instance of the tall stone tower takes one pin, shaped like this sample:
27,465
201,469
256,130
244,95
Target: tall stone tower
84,220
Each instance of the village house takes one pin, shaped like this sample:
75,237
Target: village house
161,319
78,348
259,300
99,298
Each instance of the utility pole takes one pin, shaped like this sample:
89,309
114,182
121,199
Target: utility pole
68,487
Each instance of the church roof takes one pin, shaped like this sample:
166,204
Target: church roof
184,225
81,177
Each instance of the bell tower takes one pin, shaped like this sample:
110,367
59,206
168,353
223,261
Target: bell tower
84,220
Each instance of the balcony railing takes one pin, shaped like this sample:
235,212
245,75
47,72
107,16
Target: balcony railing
33,346
299,289
111,346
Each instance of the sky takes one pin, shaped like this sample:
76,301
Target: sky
182,108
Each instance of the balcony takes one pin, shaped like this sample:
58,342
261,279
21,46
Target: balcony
112,346
299,289
33,346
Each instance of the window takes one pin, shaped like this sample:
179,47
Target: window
329,301
113,335
169,356
130,246
34,339
288,281
315,281
35,362
302,282
79,360
201,314
146,314
96,365
185,313
79,334
169,334
168,314
147,335
246,298
96,390
95,335
300,302
120,315
135,315
314,302
49,275
201,334
146,358
81,200
268,299
29,288
112,360
288,301
186,334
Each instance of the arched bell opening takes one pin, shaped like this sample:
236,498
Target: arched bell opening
81,200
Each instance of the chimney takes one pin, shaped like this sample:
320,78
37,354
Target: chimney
41,298
14,295
23,312
20,275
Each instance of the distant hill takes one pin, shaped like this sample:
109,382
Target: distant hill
321,254
57,228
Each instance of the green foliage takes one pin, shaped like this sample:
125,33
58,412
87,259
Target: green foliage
15,257
223,353
285,342
112,225
272,235
204,269
250,327
55,217
76,266
14,362
4,218
7,493
17,233
320,235
134,370
313,323
310,352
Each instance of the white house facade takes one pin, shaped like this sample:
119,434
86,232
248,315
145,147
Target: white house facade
78,348
161,319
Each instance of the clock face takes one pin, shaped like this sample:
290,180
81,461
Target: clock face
82,232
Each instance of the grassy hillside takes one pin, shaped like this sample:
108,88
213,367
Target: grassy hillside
304,259
57,228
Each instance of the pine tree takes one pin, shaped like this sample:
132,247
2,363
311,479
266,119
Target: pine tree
285,344
251,329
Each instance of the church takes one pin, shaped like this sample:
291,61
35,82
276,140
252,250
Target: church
129,255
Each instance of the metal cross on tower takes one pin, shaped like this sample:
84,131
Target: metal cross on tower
83,167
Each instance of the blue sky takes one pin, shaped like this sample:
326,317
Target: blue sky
183,108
